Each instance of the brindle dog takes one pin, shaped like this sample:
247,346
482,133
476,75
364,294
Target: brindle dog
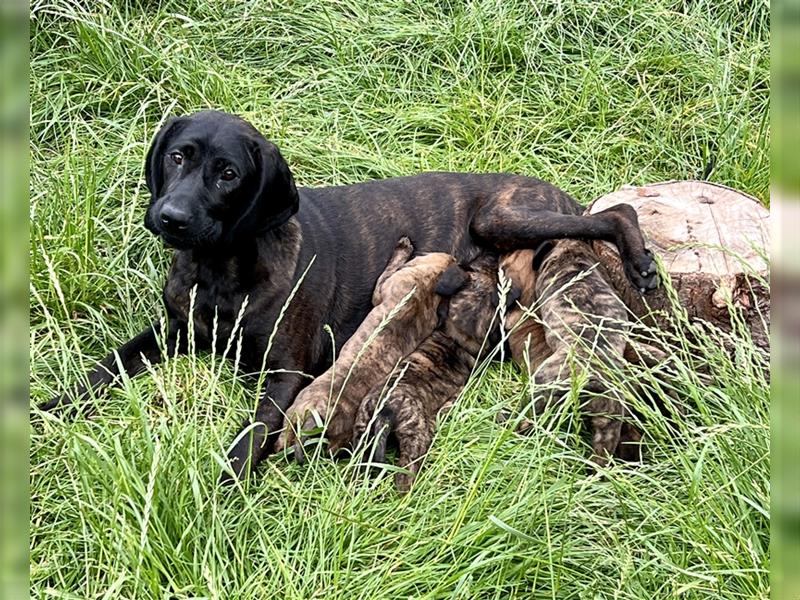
435,373
225,199
406,299
581,323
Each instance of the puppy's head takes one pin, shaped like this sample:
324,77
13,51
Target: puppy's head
473,300
215,181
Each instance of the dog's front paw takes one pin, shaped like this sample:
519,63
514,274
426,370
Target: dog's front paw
54,403
642,272
250,447
69,405
370,434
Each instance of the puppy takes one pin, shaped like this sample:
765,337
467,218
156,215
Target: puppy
436,372
388,333
581,321
525,339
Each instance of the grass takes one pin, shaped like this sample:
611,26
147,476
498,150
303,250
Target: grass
588,95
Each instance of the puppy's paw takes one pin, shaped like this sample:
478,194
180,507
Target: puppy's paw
299,424
404,481
309,427
629,448
401,254
373,443
288,436
642,272
411,462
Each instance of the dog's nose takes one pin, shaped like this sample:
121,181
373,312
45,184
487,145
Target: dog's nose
174,219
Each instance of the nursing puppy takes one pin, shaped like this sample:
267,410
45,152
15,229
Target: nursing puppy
388,333
526,335
435,373
581,321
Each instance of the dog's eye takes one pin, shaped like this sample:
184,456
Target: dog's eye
228,175
176,157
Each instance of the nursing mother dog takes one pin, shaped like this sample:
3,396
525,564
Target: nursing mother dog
224,198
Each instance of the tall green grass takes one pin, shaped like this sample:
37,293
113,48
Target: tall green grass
588,95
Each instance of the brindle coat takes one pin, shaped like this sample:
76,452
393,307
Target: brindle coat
434,375
581,323
225,199
389,332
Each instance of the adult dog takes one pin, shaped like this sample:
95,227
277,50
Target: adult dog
225,199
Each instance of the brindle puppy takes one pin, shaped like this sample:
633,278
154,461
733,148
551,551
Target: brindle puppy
526,340
225,199
435,373
389,332
582,322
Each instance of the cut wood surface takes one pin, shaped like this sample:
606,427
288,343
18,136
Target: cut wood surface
714,243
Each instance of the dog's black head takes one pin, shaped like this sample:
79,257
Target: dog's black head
214,182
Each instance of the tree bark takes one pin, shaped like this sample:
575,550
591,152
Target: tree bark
714,244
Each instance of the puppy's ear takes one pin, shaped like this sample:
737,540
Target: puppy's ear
442,312
513,295
154,162
275,197
453,279
484,262
541,251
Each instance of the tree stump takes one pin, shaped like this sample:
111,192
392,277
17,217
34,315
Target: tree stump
714,243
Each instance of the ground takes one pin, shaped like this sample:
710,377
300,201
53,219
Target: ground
589,95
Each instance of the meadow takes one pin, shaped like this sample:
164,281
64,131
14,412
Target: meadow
589,95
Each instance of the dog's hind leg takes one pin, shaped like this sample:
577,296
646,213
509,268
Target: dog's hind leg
522,219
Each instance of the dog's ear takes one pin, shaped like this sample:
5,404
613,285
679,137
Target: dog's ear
154,162
451,280
275,198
